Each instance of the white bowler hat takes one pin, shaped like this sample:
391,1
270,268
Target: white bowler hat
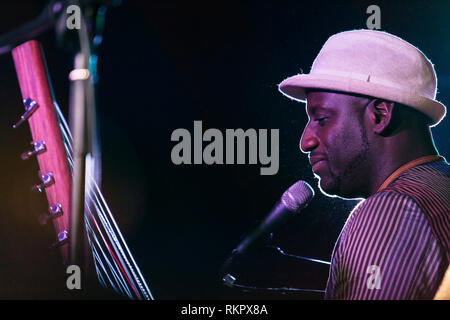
372,63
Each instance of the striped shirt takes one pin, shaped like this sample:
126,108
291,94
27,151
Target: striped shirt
396,243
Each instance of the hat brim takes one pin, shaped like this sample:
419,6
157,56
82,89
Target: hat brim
294,88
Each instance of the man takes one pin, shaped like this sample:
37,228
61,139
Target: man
371,100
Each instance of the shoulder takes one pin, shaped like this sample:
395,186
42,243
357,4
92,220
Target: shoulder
424,181
379,222
381,211
390,233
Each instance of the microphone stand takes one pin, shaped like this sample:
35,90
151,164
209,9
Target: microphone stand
84,124
230,281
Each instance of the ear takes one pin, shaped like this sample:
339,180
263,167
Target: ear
381,115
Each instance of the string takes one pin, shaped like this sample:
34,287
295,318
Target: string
113,235
122,264
118,276
71,163
122,280
98,264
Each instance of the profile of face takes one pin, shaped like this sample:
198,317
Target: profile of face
336,142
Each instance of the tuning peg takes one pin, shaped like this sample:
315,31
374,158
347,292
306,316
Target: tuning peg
47,180
54,211
38,146
63,238
30,107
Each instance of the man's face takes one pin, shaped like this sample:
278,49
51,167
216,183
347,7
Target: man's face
336,141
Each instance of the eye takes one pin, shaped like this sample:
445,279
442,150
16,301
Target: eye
321,121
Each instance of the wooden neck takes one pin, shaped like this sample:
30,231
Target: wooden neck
34,84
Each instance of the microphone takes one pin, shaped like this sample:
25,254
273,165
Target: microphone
291,203
293,200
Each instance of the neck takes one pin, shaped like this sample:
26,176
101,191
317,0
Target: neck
398,155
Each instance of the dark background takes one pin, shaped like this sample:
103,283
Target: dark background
163,65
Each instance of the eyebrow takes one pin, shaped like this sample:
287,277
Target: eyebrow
314,107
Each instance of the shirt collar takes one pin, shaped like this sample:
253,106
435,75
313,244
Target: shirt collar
407,166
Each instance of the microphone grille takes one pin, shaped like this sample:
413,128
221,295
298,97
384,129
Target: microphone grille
297,196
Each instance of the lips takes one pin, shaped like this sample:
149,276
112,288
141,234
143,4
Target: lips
316,162
317,165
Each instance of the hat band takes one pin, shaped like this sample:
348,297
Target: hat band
369,79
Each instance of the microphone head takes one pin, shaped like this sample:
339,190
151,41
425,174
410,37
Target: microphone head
297,196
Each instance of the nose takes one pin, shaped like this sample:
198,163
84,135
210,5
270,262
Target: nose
308,141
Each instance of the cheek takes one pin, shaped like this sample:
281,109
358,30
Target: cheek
340,144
